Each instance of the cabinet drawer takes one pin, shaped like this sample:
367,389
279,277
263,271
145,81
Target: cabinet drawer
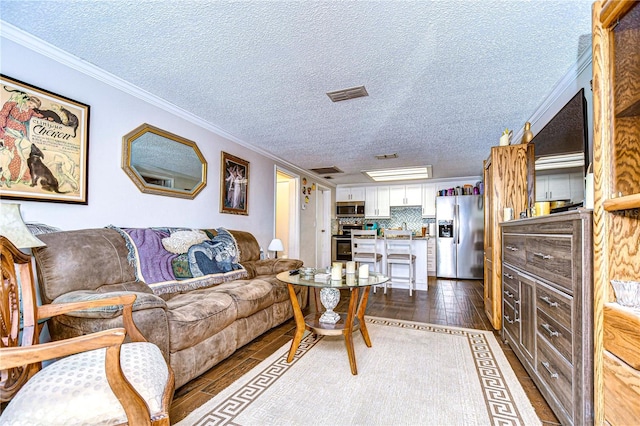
551,257
555,304
514,249
555,372
558,336
509,316
510,285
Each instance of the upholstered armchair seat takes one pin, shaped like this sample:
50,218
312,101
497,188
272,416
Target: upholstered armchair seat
75,390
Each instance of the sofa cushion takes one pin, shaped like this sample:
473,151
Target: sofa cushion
197,315
81,260
250,296
143,301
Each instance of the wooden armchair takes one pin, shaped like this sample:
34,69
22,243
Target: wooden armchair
100,380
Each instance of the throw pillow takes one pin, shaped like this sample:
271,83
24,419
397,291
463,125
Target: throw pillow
180,241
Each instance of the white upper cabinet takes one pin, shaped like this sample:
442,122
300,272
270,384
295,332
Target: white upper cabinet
428,200
350,193
577,187
376,204
406,195
553,187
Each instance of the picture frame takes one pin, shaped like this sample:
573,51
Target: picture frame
44,144
234,185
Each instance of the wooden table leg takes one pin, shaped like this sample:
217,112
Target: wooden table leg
300,325
361,310
348,330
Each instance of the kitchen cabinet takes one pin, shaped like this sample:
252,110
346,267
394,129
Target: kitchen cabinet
548,307
509,181
616,155
431,257
406,195
553,187
350,193
376,202
577,187
428,200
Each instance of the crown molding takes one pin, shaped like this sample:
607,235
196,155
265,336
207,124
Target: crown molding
584,61
44,48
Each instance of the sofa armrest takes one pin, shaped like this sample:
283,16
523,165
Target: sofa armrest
143,301
272,266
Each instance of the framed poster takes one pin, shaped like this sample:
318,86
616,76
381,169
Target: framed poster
44,142
234,185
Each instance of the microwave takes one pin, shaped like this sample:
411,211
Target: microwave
350,209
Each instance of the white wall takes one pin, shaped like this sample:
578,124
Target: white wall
112,196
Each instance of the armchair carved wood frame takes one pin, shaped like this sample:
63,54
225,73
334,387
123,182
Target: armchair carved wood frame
104,379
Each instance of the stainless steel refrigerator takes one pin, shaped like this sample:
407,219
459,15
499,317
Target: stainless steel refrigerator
460,236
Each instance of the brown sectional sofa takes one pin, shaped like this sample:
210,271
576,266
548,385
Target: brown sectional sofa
194,329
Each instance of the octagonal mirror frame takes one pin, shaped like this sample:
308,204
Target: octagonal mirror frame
161,163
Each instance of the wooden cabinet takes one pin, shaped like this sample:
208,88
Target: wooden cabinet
509,182
429,200
616,155
350,193
406,195
376,202
548,307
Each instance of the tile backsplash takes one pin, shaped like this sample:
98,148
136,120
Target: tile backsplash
412,216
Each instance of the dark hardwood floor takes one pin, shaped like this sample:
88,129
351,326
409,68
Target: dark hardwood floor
448,302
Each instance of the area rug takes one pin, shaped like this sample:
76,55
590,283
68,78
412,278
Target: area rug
414,374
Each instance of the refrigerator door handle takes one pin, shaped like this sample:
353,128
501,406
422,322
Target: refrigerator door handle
456,217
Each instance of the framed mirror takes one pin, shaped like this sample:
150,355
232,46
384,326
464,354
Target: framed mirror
162,163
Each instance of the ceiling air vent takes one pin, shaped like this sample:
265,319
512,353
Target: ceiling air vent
327,170
346,94
386,156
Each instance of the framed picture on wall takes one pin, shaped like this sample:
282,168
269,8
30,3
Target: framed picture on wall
234,185
44,142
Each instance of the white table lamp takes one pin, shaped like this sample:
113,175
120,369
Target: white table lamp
275,246
13,227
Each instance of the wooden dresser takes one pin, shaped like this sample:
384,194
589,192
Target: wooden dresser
547,307
616,214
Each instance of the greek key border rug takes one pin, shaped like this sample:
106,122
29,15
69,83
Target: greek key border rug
414,374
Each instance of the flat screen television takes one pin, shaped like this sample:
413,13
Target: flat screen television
563,142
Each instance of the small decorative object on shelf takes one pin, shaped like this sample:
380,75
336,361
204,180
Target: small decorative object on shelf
527,136
505,139
627,293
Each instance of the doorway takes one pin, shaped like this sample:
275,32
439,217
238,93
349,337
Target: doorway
323,227
286,226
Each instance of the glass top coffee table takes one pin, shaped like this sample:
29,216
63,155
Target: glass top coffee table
330,322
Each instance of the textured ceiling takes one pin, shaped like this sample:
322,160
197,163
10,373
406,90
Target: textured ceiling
444,77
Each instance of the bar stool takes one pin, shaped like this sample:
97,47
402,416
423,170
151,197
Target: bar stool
364,249
398,247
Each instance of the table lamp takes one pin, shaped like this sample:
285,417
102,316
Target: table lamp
275,246
13,227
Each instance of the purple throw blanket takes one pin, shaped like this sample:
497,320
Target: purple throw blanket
153,260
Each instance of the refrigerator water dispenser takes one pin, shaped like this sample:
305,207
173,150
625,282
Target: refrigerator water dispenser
445,229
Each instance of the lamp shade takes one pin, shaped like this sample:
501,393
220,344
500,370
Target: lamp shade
12,226
276,245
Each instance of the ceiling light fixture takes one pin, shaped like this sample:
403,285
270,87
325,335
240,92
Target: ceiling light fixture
406,173
563,161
